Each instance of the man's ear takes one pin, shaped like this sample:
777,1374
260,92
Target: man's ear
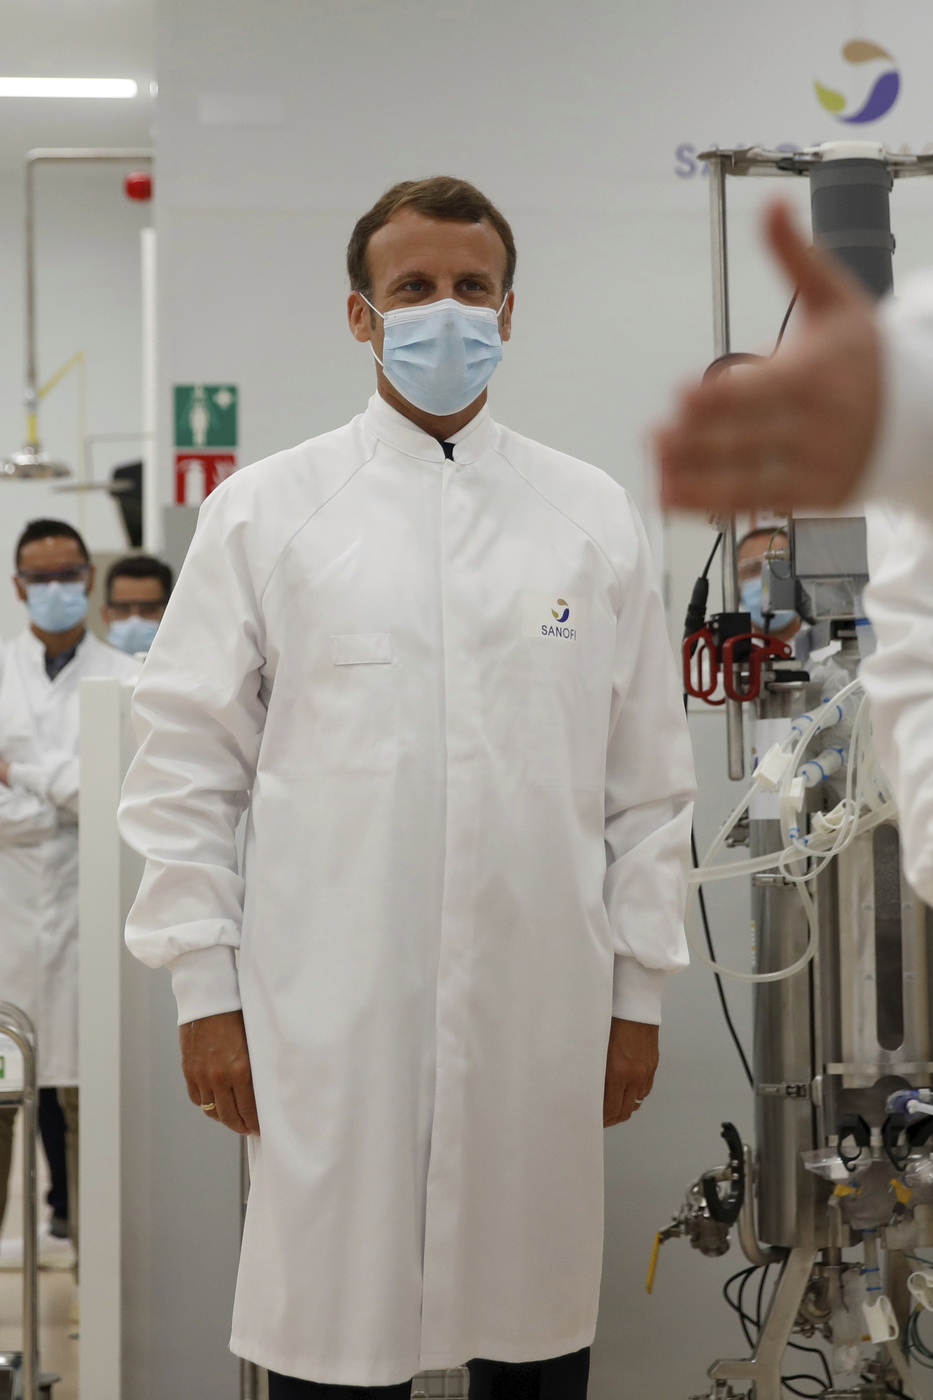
505,319
359,318
19,589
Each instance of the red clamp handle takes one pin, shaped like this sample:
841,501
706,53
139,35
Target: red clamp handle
762,646
700,658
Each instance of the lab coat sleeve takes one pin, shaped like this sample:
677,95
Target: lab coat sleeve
899,676
649,800
199,716
25,817
57,780
902,465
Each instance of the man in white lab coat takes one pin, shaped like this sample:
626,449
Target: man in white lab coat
428,658
40,674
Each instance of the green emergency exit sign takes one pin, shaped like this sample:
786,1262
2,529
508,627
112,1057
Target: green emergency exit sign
206,415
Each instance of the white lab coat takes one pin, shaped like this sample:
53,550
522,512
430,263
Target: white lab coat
899,676
902,467
39,724
445,692
899,599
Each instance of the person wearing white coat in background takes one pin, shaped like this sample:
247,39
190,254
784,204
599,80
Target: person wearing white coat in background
40,675
427,658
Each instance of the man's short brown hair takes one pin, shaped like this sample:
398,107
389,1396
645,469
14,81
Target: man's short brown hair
440,197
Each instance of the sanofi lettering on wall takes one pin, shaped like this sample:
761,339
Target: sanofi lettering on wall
867,83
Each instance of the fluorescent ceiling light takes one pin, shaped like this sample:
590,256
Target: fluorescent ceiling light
67,87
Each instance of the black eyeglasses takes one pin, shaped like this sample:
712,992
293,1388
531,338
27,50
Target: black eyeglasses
152,611
77,573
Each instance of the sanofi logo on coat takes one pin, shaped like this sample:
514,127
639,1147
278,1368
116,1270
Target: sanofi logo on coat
555,618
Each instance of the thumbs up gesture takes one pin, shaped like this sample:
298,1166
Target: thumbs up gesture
798,429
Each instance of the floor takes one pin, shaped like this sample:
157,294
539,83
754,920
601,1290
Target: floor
58,1295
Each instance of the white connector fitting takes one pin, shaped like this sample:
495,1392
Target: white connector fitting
817,770
770,771
920,1285
880,1320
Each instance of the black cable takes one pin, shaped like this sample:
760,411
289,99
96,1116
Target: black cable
815,1351
712,556
793,303
727,1016
806,1394
744,1318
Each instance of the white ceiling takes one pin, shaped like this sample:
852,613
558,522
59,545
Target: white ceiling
79,39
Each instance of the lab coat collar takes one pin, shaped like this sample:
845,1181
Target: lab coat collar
394,429
35,649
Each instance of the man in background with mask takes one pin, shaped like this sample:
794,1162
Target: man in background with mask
137,590
429,656
751,551
40,675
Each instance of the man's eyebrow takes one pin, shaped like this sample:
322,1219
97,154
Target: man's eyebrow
486,275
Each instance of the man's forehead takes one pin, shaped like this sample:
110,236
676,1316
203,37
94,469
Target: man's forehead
124,588
52,547
413,242
761,541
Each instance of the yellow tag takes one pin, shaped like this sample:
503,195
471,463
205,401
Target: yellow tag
845,1190
902,1192
653,1266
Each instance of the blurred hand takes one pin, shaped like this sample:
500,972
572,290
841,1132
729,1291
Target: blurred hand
798,430
215,1063
631,1063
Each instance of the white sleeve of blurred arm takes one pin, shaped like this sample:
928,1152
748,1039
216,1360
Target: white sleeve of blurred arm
899,676
902,466
199,716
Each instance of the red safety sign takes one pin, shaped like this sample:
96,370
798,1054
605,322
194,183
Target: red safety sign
197,473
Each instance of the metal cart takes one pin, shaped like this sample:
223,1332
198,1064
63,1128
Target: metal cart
20,1377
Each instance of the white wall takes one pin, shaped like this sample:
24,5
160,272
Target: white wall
88,255
570,116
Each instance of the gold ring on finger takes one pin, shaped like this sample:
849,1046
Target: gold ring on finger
207,1107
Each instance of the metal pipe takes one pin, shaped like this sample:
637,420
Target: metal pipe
735,738
152,522
249,1371
34,158
16,1024
754,1252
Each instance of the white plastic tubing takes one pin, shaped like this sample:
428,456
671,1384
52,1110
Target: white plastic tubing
865,805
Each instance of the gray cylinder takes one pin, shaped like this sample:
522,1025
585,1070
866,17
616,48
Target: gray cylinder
851,209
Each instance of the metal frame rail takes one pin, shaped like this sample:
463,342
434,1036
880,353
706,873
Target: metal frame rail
17,1026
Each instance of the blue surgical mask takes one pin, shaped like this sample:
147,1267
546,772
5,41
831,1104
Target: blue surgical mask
56,607
440,357
132,634
752,599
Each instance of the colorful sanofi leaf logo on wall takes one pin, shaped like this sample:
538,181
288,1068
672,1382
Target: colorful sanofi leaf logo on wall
884,91
564,614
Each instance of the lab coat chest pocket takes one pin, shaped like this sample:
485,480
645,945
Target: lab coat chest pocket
355,712
565,733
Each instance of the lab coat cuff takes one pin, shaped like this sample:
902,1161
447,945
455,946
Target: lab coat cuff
637,991
899,468
29,776
205,982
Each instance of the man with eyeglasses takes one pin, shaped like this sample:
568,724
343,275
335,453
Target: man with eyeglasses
40,675
137,591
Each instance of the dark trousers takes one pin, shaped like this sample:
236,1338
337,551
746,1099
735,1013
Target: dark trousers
561,1378
52,1130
